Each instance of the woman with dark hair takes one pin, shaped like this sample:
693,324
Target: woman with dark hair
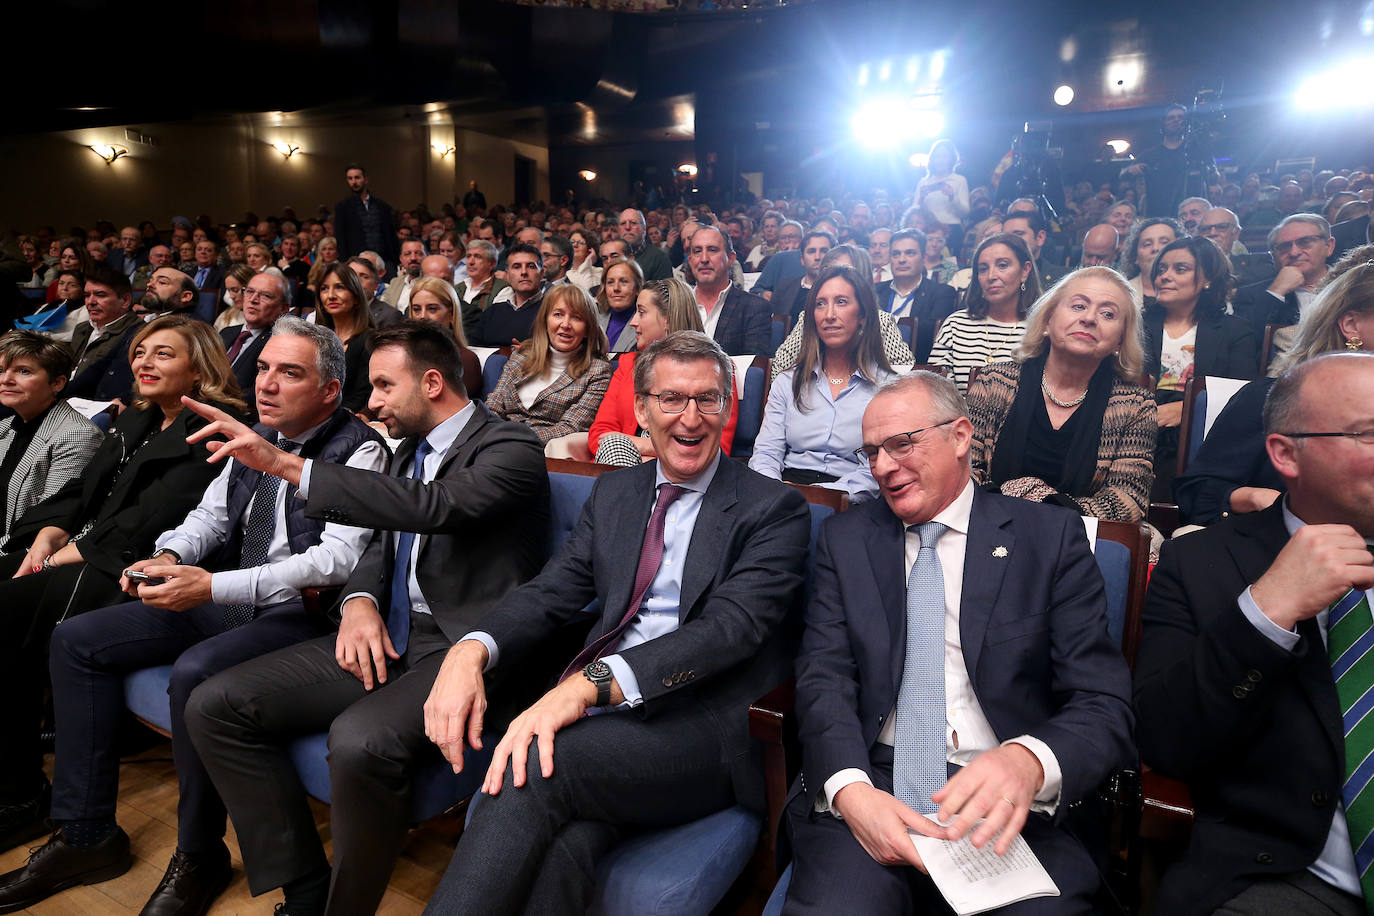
993,320
1067,421
812,423
73,256
343,309
615,304
235,282
67,553
1232,472
555,380
1148,237
1188,333
584,270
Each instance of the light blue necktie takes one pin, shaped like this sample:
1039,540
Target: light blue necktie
398,621
201,274
918,768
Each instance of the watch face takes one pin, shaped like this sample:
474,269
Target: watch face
598,670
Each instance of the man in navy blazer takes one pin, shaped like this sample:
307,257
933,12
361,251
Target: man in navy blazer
1037,697
652,719
739,321
264,301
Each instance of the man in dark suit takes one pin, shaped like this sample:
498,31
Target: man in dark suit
1234,685
1352,233
101,343
687,632
475,490
740,322
264,300
363,221
790,298
910,293
1030,227
207,273
1300,246
955,657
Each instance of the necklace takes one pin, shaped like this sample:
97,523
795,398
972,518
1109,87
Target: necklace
1045,387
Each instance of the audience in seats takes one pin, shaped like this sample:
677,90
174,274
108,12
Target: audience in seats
1190,213
67,553
879,254
169,292
1017,725
894,345
398,291
382,315
290,263
767,245
791,295
1099,246
507,321
737,320
343,310
912,294
1068,422
672,669
433,299
231,300
1148,237
264,299
101,342
225,587
584,270
1222,226
1232,473
59,317
1251,673
556,254
475,487
1030,227
621,283
993,319
651,259
44,443
1299,246
326,254
207,272
810,432
554,380
1187,334
481,288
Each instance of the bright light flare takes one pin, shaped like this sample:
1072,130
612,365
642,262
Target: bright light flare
1119,146
891,121
687,168
587,175
1063,95
1348,85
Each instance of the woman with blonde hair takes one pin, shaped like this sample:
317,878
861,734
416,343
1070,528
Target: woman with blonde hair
326,254
1232,472
1067,420
621,283
555,380
434,299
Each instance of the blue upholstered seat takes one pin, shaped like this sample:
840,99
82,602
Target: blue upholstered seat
750,418
491,371
1114,561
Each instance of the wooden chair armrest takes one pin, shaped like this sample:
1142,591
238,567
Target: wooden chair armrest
319,599
1167,811
771,723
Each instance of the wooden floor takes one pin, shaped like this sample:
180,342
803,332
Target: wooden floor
148,813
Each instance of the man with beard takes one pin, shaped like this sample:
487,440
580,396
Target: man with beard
397,294
169,292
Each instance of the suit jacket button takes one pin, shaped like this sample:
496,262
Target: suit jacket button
1320,798
1240,692
1253,676
126,555
667,682
1264,858
691,675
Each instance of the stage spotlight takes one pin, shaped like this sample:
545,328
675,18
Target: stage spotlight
1063,95
1347,85
890,121
885,71
1119,147
937,66
863,74
913,67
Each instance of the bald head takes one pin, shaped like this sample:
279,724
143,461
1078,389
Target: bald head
436,265
1099,246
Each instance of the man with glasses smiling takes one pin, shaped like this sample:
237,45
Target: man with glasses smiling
955,664
1222,226
1300,246
696,561
263,302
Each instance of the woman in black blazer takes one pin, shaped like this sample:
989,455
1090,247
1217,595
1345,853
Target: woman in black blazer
1188,333
142,481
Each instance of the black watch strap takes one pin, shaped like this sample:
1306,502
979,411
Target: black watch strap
599,673
170,552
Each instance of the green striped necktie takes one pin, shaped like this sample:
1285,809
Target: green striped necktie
1350,637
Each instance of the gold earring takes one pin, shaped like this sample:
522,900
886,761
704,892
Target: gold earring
1354,343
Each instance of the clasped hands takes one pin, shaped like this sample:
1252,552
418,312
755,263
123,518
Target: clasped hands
186,586
997,788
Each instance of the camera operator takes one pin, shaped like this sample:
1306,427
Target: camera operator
1165,166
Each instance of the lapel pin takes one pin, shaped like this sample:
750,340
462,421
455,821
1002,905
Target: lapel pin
999,552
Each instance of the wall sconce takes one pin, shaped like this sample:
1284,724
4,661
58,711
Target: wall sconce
687,169
286,149
1119,147
587,175
443,151
107,152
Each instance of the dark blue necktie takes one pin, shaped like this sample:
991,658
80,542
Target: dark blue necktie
257,535
398,621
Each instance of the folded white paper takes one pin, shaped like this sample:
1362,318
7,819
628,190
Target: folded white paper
975,880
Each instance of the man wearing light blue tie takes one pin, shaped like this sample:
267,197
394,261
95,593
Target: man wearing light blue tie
955,665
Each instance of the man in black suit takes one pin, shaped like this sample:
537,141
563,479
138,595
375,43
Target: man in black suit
264,300
687,632
790,298
1233,682
363,221
169,292
1299,246
910,293
101,343
739,321
478,501
955,663
1352,233
207,273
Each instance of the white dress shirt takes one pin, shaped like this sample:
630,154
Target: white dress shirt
710,319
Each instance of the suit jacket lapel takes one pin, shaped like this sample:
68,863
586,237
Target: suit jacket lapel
709,536
455,450
989,528
886,549
627,539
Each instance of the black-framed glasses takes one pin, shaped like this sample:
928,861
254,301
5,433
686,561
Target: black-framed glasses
1306,243
897,446
676,401
1363,436
1216,228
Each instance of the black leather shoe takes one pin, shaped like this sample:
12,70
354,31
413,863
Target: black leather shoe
56,866
189,886
26,822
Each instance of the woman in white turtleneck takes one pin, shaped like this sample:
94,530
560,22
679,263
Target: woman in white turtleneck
554,381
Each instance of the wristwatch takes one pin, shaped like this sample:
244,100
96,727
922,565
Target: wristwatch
171,553
599,673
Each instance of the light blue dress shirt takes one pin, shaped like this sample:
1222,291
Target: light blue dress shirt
821,438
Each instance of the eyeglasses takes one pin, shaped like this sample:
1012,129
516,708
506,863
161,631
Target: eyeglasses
1216,228
1306,243
256,294
1364,436
676,401
898,446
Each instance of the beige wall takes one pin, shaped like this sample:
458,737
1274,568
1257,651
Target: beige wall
226,168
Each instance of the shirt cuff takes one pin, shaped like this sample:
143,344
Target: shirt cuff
834,784
234,586
629,684
349,597
485,639
303,491
182,547
1286,639
1047,799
